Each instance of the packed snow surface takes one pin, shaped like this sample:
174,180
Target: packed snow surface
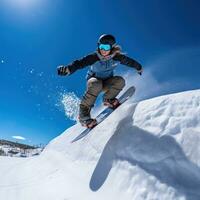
148,150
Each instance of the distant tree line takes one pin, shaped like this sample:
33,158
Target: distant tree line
2,153
16,144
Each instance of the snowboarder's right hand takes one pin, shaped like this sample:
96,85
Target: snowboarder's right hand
140,72
63,70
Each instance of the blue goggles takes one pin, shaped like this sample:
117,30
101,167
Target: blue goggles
105,47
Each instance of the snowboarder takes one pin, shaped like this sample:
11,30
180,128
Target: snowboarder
100,76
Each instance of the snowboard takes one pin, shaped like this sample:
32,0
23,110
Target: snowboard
106,112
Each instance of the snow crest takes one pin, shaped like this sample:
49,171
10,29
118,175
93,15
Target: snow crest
148,150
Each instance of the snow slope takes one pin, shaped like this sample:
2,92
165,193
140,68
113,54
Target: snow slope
143,151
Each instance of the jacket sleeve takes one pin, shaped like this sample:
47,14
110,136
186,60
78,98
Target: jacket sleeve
83,62
125,60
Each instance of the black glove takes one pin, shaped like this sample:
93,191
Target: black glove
140,71
63,70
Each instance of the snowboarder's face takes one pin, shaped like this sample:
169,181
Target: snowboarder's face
104,49
104,53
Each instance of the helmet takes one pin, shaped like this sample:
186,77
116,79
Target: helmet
107,39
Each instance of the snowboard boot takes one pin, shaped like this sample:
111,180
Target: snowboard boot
89,123
85,117
111,103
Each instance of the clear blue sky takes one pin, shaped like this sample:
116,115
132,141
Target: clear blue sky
36,36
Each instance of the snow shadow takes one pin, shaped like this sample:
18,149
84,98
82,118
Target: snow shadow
161,157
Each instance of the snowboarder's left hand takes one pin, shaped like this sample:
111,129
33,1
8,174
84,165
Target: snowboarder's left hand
140,71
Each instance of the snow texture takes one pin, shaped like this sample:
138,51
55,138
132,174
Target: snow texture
71,105
148,150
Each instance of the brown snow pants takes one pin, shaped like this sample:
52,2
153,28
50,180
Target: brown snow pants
111,88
